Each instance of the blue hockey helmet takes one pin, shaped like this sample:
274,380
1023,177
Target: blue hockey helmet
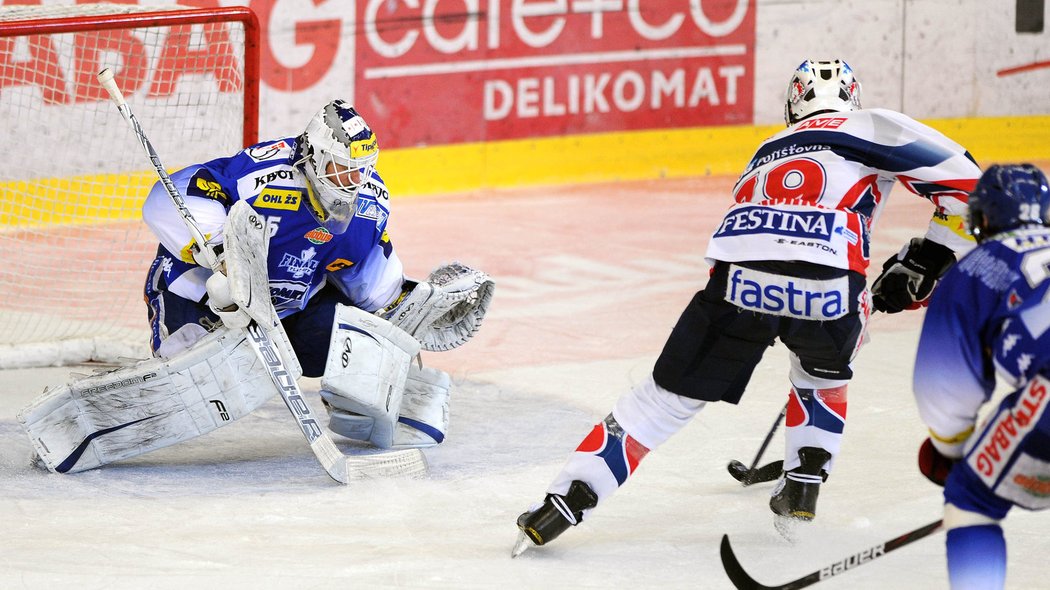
1007,197
821,87
337,154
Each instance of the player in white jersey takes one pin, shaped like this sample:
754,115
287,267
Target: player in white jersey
306,217
789,262
991,316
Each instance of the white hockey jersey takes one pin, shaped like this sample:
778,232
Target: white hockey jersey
814,191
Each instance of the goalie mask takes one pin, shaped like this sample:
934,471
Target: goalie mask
1009,197
820,87
337,153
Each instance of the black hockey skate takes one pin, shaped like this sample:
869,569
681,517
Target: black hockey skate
554,517
795,497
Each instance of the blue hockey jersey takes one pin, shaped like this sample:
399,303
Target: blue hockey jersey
303,255
989,314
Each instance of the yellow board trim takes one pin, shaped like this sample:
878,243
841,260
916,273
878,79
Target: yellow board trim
47,202
603,157
639,155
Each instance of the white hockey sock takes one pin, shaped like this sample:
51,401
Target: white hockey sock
651,414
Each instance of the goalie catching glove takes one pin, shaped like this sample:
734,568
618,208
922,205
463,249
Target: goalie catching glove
444,311
908,277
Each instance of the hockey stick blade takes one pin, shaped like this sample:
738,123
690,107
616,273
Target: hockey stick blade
768,472
743,581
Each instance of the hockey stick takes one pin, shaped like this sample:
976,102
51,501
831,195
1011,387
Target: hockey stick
768,472
340,467
743,581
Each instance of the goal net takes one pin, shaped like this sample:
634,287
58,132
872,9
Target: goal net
73,249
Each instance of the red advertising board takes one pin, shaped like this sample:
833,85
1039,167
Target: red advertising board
453,71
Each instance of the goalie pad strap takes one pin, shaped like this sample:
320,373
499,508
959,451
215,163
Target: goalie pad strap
365,374
152,404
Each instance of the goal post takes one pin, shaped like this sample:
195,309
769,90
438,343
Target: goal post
74,250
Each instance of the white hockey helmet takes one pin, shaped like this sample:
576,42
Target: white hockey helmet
819,87
337,153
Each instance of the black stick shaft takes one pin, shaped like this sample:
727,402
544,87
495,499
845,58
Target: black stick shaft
765,443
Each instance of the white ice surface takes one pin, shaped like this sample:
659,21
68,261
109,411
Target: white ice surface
248,507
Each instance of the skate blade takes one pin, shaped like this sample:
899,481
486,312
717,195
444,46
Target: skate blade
523,543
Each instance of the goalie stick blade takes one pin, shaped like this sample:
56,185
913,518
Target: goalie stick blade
768,472
404,463
743,581
347,468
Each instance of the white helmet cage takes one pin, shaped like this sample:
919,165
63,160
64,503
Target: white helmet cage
336,140
819,87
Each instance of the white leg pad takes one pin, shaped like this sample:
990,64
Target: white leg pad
364,377
181,339
152,404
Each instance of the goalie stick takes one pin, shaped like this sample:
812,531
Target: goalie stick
342,468
743,581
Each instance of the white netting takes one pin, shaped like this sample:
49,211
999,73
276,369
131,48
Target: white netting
73,249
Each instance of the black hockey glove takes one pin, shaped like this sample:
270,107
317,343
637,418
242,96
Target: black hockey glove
933,464
908,277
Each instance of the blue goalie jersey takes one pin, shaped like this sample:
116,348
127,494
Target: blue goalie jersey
303,255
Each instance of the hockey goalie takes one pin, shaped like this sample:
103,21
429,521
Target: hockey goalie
299,228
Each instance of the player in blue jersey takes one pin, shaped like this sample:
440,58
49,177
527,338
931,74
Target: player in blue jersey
789,263
991,315
326,209
299,228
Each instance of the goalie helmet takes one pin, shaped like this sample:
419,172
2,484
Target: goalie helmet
820,87
1009,197
337,153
